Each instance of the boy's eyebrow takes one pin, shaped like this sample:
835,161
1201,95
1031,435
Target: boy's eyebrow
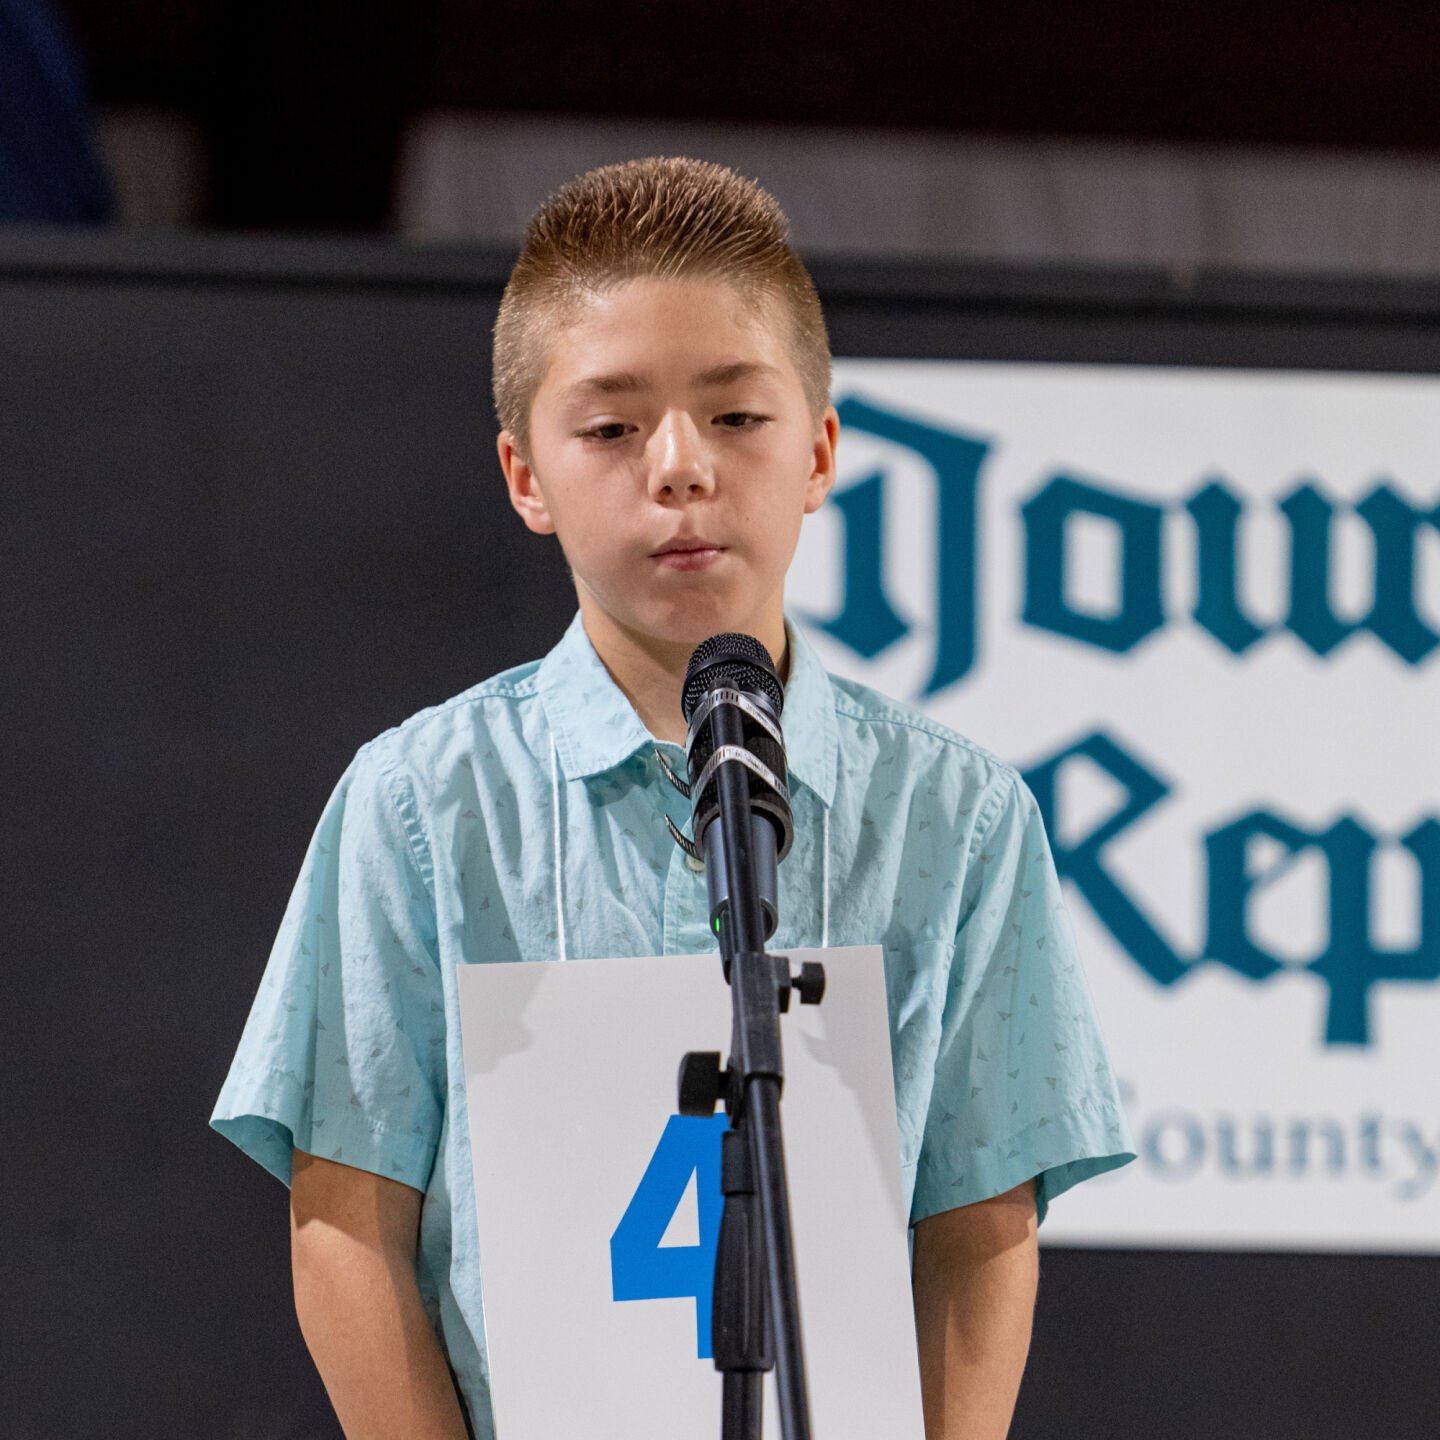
620,384
627,383
736,370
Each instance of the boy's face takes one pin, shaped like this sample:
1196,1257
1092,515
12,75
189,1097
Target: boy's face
674,455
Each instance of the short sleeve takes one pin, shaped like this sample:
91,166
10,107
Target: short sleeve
343,1053
1023,1088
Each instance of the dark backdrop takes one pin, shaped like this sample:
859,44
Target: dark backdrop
302,107
250,517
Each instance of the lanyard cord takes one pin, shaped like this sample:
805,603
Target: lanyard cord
825,877
559,885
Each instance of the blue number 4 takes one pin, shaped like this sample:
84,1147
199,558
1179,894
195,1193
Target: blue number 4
641,1268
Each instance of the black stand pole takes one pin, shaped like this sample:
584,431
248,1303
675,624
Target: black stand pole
756,1297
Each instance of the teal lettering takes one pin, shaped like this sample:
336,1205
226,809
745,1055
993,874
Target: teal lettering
1047,603
1083,861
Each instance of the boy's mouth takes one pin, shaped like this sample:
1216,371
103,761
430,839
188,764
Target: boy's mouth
691,553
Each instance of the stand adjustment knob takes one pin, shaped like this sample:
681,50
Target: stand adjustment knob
702,1082
810,982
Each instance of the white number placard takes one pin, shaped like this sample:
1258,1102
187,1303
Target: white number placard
598,1205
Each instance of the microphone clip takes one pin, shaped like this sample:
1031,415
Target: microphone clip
676,833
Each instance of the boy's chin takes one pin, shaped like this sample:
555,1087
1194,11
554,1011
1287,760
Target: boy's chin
685,624
693,627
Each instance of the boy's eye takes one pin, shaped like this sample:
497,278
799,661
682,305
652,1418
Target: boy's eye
741,420
615,430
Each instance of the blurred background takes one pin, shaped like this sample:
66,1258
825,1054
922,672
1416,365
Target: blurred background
1281,133
1137,318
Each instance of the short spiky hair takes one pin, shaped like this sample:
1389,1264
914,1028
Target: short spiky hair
667,218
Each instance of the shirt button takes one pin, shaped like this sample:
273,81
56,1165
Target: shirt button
691,863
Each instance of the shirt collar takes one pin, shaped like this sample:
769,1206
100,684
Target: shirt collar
596,729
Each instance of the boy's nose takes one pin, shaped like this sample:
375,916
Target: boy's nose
679,460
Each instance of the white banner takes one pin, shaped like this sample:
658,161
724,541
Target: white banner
1201,611
598,1206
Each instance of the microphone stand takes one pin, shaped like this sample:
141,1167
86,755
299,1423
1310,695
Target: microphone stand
755,1296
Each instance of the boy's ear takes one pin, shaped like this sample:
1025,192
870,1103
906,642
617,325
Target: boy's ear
524,486
822,476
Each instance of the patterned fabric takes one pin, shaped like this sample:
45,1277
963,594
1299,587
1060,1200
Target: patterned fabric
440,848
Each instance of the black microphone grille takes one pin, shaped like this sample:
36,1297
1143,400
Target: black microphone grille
739,661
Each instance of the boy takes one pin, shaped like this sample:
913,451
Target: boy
662,382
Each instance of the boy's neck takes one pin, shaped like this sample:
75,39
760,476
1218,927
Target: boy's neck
650,672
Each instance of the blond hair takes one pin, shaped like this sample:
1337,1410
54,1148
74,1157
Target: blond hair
669,218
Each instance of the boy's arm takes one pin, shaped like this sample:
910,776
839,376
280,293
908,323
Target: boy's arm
353,1238
975,1274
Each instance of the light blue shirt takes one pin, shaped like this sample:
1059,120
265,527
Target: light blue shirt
524,820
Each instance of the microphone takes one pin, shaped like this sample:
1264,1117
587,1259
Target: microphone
732,700
740,814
